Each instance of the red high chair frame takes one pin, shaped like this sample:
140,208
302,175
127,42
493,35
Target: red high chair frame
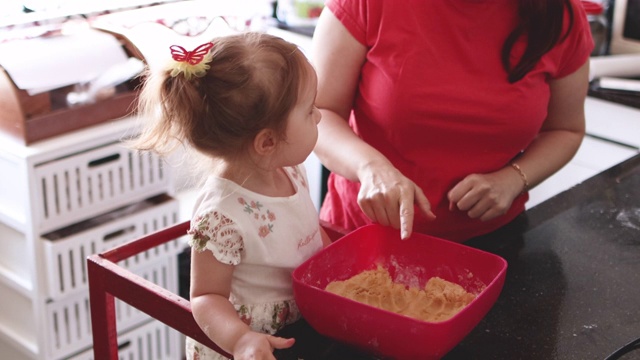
108,281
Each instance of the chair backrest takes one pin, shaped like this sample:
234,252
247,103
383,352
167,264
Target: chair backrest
108,281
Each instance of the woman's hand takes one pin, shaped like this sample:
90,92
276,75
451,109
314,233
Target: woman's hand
257,346
486,196
387,197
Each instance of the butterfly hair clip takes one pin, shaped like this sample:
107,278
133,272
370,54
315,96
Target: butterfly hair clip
191,63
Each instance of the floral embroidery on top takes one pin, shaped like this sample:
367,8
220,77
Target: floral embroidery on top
244,314
281,314
221,231
268,317
196,353
298,176
265,216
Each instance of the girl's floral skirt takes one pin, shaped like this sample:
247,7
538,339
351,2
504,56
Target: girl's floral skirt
265,318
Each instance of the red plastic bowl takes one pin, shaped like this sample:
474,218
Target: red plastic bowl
411,262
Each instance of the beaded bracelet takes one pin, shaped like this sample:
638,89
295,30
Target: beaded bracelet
522,175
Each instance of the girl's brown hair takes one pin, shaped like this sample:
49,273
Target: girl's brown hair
252,84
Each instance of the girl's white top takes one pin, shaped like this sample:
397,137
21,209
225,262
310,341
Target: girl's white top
265,238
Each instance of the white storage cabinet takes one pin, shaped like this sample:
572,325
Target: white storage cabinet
61,200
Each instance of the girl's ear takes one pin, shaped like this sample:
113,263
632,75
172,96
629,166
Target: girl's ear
265,142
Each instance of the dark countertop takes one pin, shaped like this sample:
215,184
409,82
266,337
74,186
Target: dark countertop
572,289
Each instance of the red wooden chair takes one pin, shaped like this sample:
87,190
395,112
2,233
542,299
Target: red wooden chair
108,281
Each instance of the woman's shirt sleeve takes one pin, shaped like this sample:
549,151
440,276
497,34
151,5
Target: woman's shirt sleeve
574,50
352,14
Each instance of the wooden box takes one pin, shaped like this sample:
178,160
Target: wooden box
30,118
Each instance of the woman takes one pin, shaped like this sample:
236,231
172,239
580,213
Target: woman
439,115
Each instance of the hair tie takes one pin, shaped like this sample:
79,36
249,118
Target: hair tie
195,62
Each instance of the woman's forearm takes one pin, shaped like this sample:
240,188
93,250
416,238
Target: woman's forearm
563,130
342,151
551,151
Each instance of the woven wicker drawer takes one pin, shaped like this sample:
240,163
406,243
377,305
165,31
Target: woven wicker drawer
68,322
66,250
89,183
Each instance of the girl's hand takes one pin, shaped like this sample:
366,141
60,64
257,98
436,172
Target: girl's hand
258,346
486,196
387,197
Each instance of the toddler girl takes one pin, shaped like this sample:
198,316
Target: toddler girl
245,102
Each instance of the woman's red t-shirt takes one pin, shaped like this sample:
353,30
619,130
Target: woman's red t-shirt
434,98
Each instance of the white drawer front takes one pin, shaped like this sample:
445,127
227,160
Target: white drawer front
93,182
68,320
66,255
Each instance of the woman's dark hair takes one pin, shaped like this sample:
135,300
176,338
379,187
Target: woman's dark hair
541,22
